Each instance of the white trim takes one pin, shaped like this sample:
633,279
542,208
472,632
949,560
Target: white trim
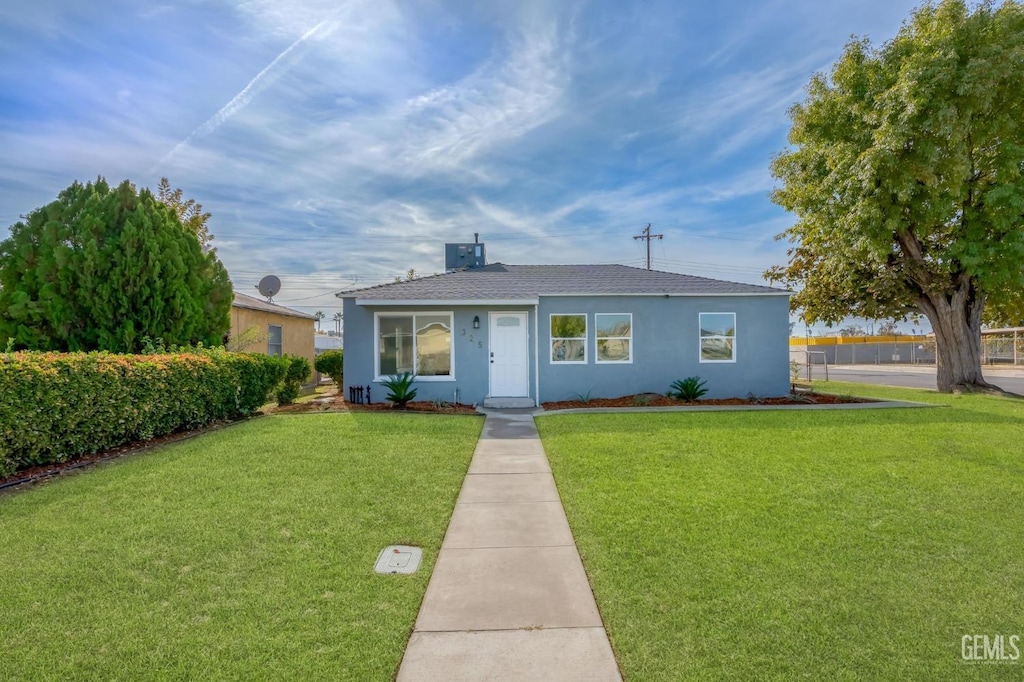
732,295
378,377
445,302
490,315
535,301
536,354
280,340
586,339
701,337
597,355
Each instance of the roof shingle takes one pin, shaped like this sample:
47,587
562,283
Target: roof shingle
516,282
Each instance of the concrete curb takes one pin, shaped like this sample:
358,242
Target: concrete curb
993,370
878,405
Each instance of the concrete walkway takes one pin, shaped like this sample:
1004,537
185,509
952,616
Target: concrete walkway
508,599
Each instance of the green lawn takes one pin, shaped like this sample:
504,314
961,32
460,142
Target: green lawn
801,545
242,554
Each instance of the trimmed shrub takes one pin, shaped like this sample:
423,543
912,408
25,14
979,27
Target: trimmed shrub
297,373
298,369
332,363
58,406
287,392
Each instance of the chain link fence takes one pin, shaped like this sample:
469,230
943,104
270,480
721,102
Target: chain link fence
806,365
995,350
886,353
1005,349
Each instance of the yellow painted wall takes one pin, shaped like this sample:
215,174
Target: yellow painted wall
843,340
296,332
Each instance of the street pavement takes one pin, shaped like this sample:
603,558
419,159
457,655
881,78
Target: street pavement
1011,380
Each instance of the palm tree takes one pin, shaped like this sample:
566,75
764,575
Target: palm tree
337,322
319,315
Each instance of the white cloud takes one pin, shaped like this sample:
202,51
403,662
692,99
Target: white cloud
556,130
746,105
260,81
445,129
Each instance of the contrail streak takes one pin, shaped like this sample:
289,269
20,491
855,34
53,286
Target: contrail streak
239,101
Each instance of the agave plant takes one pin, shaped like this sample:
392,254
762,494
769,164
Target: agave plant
400,390
688,389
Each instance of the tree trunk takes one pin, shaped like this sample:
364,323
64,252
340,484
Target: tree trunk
956,321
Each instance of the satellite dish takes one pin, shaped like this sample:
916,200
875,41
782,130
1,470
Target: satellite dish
269,286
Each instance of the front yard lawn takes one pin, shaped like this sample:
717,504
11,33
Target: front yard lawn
859,544
242,554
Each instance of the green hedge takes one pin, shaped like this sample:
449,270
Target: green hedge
332,363
58,406
296,374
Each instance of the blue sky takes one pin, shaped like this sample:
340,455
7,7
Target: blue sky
342,143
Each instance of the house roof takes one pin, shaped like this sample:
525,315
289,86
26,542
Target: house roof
524,283
252,303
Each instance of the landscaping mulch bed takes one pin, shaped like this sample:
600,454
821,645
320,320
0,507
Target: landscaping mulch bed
335,403
657,400
332,401
329,403
417,406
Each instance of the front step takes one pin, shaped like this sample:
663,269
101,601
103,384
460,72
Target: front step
507,403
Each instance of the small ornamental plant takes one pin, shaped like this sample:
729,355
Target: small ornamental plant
400,390
689,389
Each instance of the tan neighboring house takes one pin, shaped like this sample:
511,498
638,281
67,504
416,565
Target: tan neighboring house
261,327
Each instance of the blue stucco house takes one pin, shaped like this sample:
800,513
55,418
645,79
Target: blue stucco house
520,335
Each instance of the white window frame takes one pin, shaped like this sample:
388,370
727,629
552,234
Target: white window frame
378,377
597,340
280,345
701,337
586,339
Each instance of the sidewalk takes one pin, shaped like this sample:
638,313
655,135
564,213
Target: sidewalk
508,599
993,370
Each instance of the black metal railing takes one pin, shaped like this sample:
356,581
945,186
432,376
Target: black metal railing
357,393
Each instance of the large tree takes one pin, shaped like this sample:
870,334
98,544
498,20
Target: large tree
905,176
101,268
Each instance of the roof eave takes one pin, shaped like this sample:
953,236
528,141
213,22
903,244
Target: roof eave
407,302
287,312
675,294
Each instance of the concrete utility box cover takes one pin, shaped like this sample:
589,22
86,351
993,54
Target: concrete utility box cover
399,559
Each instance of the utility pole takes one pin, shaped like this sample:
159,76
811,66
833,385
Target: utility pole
646,234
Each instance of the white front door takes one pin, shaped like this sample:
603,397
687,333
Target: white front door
509,355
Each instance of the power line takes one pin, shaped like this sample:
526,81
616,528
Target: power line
364,238
308,277
713,266
392,239
646,234
307,298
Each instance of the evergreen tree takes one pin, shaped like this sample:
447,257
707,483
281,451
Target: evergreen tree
101,268
189,212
